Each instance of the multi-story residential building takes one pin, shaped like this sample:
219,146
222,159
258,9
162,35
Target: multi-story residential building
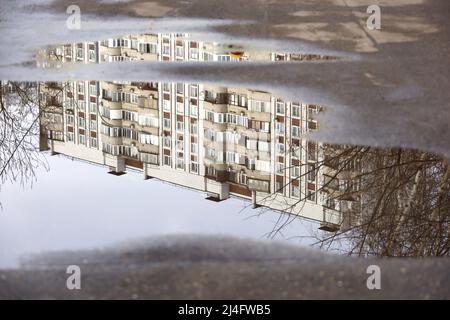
222,141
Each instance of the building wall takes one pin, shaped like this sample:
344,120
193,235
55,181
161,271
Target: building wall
223,141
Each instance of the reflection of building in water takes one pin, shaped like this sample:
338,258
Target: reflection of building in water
223,141
162,47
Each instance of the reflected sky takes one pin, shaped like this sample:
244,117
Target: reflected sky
78,205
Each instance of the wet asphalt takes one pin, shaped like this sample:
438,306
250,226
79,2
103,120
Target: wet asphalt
200,267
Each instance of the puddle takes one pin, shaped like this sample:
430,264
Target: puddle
295,122
231,142
163,48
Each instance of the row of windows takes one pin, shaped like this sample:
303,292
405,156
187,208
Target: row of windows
180,163
229,118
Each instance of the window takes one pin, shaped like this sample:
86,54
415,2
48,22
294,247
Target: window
194,128
295,131
70,119
81,105
280,148
180,107
93,89
92,55
81,122
55,135
295,111
330,203
180,51
209,116
148,121
93,107
312,111
219,117
311,195
180,88
149,158
296,171
280,107
119,43
167,161
166,123
193,54
93,125
105,112
295,191
312,154
279,188
133,98
210,153
146,138
243,178
265,127
130,116
81,87
211,171
280,128
259,106
129,133
194,167
166,87
124,97
180,145
166,49
80,53
93,142
193,90
166,105
280,168
194,147
194,110
167,141
82,139
70,136
180,163
147,48
68,51
311,172
208,56
223,58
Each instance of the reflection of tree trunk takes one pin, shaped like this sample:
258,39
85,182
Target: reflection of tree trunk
440,193
435,215
406,205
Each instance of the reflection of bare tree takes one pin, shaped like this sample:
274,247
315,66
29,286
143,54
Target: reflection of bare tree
25,113
392,202
19,132
401,201
406,202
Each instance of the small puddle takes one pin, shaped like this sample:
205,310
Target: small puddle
169,47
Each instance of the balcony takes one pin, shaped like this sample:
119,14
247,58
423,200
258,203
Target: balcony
331,221
146,85
216,98
111,140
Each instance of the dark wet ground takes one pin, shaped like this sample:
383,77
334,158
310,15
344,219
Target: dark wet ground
223,268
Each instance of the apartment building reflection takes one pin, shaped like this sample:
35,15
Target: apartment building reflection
218,140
